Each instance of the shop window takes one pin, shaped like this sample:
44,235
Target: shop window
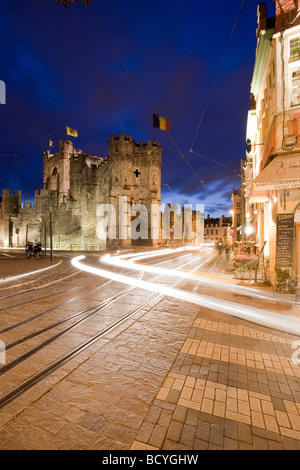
294,49
295,90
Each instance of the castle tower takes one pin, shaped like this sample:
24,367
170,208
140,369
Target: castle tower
57,171
135,175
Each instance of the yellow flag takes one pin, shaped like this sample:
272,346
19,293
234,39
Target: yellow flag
71,132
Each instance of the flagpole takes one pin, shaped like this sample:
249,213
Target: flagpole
152,129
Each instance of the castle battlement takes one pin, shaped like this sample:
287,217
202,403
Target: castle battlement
76,183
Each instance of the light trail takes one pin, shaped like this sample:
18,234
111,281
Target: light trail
19,276
195,277
262,317
157,253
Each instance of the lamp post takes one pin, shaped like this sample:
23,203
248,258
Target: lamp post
51,240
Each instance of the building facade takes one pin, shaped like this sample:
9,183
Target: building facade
89,196
237,225
271,170
218,230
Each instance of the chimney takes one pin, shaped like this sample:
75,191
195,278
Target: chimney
286,14
261,18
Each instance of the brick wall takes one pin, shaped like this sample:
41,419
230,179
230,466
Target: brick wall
286,11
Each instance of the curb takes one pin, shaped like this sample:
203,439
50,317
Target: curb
19,276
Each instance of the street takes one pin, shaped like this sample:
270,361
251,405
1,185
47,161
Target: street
103,361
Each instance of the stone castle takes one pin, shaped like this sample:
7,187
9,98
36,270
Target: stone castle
75,185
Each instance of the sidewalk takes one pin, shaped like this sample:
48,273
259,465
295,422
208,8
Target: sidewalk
233,386
15,264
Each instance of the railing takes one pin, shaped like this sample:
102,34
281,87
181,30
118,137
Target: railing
288,284
69,247
253,267
77,247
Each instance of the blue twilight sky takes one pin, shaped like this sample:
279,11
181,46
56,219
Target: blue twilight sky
104,70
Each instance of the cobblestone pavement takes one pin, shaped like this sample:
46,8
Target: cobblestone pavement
173,376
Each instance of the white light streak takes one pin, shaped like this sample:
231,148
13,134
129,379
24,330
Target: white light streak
199,279
261,317
19,276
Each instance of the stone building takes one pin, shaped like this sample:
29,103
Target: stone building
237,215
218,230
181,225
92,200
271,176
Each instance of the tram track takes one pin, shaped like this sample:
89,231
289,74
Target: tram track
49,310
38,278
94,308
10,396
50,340
40,314
38,299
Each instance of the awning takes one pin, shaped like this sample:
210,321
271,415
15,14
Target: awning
282,173
257,195
257,199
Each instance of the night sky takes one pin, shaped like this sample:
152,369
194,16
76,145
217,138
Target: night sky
105,70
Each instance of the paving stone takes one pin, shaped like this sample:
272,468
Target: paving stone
245,433
200,445
188,435
216,435
174,431
93,422
230,444
153,415
203,430
145,432
180,413
260,444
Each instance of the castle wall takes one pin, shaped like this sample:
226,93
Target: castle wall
76,186
9,207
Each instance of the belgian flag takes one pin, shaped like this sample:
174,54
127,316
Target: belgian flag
161,123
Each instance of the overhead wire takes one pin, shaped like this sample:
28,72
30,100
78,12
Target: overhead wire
37,123
78,34
214,161
32,5
217,76
47,93
130,75
140,90
188,163
109,42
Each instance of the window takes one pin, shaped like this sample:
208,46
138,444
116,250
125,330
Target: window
295,91
294,49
